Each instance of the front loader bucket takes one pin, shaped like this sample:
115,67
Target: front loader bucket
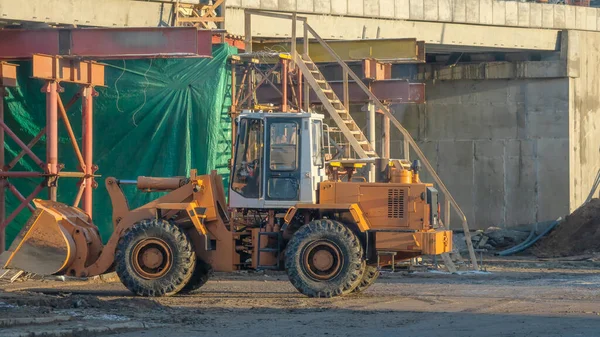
46,243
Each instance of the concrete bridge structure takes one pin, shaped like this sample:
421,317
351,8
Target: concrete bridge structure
513,110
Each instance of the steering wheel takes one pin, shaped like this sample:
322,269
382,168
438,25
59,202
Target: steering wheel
248,168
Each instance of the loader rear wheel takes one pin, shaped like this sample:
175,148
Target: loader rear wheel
369,277
155,258
201,274
324,259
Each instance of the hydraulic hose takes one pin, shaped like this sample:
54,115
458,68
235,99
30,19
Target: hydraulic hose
529,238
531,234
527,244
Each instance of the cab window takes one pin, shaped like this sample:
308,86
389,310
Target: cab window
248,158
283,152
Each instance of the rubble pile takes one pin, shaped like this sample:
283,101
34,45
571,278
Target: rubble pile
578,234
492,239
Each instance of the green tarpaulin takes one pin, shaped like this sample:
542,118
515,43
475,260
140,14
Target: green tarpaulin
156,117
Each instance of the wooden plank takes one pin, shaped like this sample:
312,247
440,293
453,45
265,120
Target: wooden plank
448,263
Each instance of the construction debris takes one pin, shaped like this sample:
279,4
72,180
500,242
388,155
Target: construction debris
578,234
502,237
492,239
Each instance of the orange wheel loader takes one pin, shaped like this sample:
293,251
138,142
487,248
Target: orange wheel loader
289,209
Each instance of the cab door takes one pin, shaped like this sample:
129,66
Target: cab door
282,171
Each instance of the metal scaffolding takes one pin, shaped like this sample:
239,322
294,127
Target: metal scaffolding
52,70
73,45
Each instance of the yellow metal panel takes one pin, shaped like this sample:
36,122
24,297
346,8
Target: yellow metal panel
359,218
395,241
340,164
435,243
355,50
347,193
327,192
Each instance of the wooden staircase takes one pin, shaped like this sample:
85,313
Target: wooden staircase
336,109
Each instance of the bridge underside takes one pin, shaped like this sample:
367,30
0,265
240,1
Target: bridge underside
439,36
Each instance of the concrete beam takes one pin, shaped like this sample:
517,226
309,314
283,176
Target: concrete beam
105,13
479,12
449,34
494,71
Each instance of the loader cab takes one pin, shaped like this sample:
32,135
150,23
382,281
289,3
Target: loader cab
278,160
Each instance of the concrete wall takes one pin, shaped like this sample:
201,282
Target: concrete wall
584,121
485,12
501,146
108,13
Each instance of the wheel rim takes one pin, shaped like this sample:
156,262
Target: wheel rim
151,258
322,260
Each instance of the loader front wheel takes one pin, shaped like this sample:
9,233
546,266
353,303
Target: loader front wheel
155,258
201,274
324,259
369,277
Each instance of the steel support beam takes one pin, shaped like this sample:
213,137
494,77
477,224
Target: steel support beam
106,43
393,91
392,50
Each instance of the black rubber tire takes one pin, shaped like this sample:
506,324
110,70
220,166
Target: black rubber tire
182,264
369,277
202,273
352,266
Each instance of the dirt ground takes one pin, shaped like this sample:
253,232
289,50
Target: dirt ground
518,297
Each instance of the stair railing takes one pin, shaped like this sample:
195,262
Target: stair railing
349,72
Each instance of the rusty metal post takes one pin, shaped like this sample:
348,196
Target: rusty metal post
51,90
2,180
306,93
346,95
87,136
299,79
385,137
447,214
284,85
233,110
294,21
371,136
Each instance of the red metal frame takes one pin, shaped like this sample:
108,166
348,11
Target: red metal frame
76,44
53,70
8,78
